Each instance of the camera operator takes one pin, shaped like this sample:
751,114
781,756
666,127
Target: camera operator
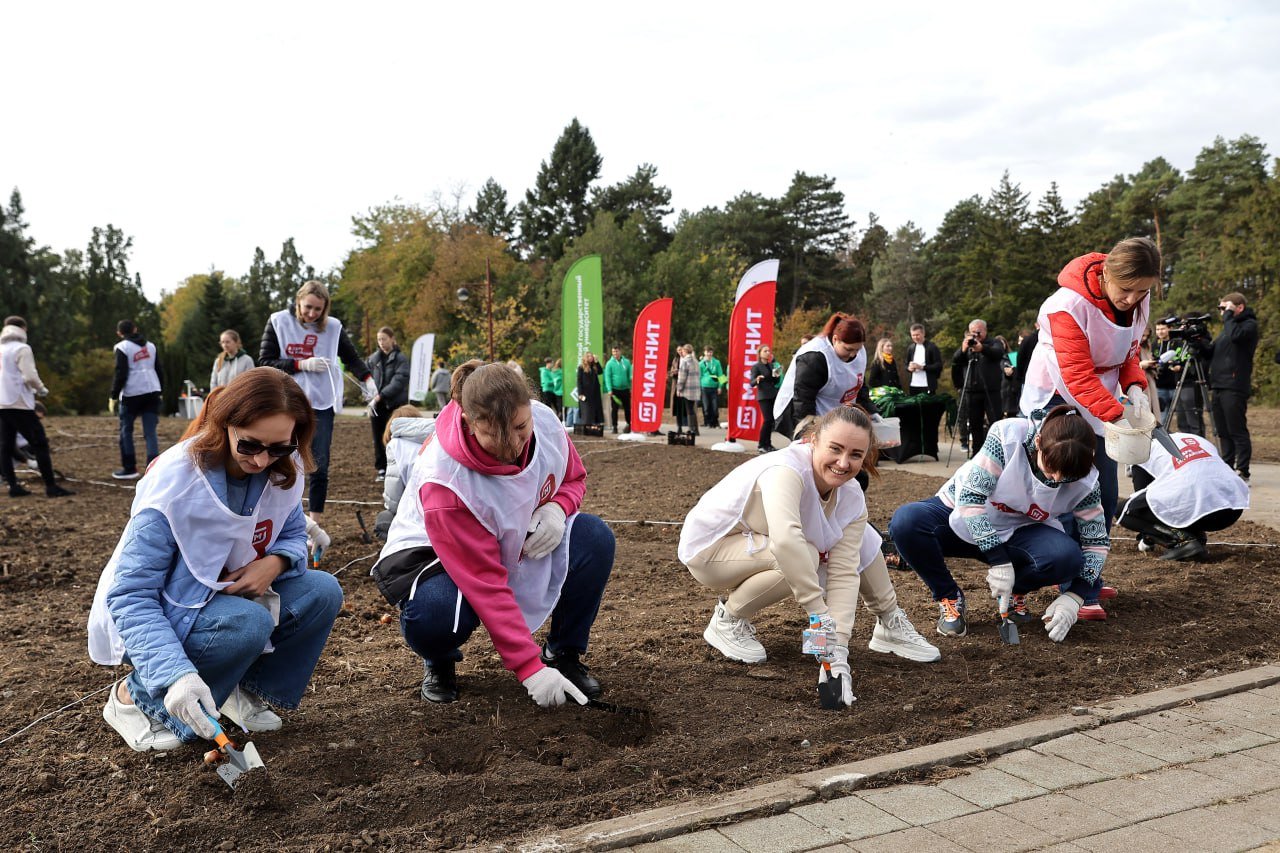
1168,359
1230,358
980,359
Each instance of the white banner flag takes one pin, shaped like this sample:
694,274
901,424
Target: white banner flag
421,362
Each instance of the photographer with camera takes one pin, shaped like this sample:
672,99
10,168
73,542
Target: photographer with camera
977,366
1230,358
1090,335
1170,355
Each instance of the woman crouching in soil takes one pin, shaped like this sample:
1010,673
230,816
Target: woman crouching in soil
793,523
1002,508
211,573
489,533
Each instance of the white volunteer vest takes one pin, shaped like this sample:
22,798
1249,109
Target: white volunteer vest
504,505
1019,498
1109,347
143,378
323,389
719,511
844,378
13,389
405,452
210,536
1186,491
919,379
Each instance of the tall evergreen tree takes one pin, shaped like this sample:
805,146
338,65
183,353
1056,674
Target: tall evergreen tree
641,198
818,229
491,213
557,208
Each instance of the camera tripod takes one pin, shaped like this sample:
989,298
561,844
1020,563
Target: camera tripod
962,419
1191,365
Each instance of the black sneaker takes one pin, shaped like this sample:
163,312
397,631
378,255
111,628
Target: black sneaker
440,682
1189,548
573,669
56,491
125,474
17,491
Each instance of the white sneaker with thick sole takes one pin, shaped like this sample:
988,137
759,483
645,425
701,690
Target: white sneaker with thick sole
249,712
138,730
896,635
734,638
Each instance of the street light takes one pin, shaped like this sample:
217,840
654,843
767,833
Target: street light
464,294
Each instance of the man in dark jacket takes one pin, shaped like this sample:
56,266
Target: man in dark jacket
978,359
1231,380
390,370
924,362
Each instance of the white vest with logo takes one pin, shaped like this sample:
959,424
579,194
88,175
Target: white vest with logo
143,378
1019,498
844,378
720,509
210,537
504,506
1109,347
298,341
14,392
1188,489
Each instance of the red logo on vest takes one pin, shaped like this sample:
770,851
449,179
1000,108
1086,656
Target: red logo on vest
142,354
852,393
262,537
1191,451
1035,513
306,349
548,489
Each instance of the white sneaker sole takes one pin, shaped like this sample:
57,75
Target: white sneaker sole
729,652
914,653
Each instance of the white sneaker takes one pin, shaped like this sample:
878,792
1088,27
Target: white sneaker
898,636
138,730
735,638
249,712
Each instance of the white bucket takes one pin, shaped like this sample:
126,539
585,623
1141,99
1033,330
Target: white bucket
1128,445
887,433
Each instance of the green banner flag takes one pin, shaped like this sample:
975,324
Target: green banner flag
582,320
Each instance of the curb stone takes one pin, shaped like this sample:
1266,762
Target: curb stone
779,796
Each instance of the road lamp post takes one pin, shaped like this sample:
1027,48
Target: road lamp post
464,294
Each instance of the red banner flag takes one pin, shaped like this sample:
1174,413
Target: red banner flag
750,328
649,345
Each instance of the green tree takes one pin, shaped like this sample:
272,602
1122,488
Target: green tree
642,199
861,258
557,208
491,213
818,229
898,279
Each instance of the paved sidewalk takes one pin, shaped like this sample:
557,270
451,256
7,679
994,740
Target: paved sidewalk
1196,767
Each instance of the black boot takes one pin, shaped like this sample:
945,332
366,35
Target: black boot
573,669
440,682
56,491
17,491
1188,548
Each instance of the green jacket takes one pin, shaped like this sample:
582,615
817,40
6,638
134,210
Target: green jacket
557,381
710,371
617,375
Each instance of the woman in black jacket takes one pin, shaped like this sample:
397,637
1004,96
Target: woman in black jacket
590,406
766,376
390,369
883,371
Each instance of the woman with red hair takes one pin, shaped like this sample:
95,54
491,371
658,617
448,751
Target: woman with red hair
825,372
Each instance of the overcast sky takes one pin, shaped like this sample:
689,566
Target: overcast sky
204,131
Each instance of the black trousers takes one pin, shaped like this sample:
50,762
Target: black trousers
378,422
766,423
24,421
1137,516
619,399
1230,419
981,410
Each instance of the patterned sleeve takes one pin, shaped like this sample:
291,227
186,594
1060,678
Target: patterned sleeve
972,495
1094,540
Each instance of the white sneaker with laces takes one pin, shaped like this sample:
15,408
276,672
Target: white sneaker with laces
896,635
735,638
249,712
138,730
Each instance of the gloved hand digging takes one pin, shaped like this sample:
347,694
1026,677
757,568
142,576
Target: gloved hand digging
1061,615
839,669
1000,579
550,689
546,529
317,540
190,701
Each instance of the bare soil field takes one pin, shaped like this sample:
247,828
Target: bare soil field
365,763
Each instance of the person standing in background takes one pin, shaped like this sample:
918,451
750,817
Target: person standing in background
547,385
1231,380
135,391
19,386
766,376
925,363
231,362
439,384
977,364
688,388
590,406
617,384
882,372
709,372
390,371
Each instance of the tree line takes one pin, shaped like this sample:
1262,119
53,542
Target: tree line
994,256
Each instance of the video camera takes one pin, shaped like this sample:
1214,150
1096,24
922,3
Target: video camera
1188,327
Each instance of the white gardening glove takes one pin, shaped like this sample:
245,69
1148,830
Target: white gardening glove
550,689
42,391
840,669
370,390
317,540
1000,579
189,700
546,529
1138,409
315,364
1061,615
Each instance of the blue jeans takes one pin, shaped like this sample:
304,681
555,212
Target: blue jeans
320,443
1042,556
427,619
711,407
225,646
148,406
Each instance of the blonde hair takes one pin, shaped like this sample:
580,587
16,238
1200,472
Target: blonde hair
222,356
317,289
880,345
408,410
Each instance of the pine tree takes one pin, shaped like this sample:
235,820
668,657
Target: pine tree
641,198
557,209
491,213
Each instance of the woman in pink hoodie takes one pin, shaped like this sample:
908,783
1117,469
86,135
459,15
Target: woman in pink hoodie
494,537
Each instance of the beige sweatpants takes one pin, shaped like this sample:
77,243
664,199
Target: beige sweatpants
754,582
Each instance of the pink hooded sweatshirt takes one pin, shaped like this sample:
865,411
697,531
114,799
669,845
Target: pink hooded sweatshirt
470,554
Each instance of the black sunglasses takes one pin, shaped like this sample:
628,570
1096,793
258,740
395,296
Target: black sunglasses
249,447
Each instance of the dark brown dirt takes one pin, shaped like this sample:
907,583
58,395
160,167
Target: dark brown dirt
365,763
